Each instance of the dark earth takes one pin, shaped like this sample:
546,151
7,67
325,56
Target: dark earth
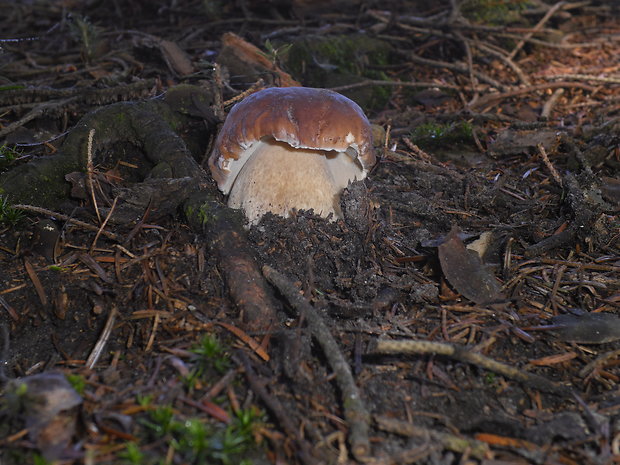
142,323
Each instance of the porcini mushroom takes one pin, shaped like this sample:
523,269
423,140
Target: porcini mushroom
291,148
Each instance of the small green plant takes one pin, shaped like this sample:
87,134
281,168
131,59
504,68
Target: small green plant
193,439
78,382
132,454
210,352
144,401
40,460
161,421
490,378
274,54
9,216
57,268
14,399
197,441
87,35
7,156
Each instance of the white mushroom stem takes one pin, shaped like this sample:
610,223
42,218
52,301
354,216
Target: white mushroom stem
278,178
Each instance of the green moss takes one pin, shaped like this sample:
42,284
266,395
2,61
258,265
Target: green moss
345,54
196,441
430,135
132,454
331,61
78,382
494,12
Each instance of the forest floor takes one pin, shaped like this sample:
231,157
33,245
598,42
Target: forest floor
472,287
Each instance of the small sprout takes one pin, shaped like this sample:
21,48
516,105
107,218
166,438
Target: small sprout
7,156
144,401
87,35
210,353
161,421
273,53
132,454
490,378
197,441
58,268
193,439
40,460
9,216
78,382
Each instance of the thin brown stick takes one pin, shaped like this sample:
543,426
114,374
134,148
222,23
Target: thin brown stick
37,283
103,225
355,411
585,266
385,346
36,113
550,103
103,339
68,219
90,171
461,68
507,61
549,165
490,98
538,26
377,82
586,77
258,85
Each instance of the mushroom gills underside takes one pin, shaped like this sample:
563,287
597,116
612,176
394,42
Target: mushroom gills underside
278,178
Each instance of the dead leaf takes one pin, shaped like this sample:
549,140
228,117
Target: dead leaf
32,274
48,403
465,271
176,58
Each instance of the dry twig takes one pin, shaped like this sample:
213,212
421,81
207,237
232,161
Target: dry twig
462,354
103,339
538,26
68,219
549,165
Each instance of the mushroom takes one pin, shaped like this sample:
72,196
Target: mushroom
290,148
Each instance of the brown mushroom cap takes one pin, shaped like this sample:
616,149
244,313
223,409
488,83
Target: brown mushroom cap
301,117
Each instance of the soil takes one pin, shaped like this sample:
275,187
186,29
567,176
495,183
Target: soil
466,161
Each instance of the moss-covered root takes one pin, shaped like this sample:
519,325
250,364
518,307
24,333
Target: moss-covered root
226,237
149,126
